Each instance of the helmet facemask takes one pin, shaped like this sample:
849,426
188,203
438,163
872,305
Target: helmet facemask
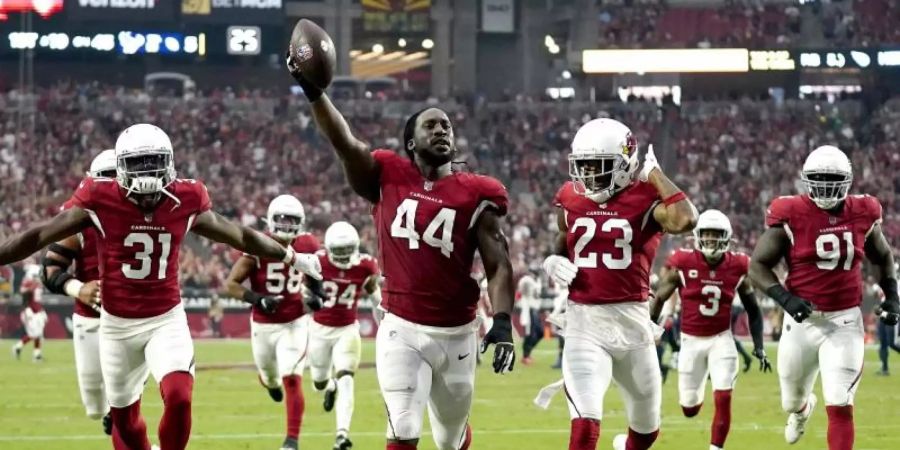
145,173
712,242
343,256
826,188
286,226
599,176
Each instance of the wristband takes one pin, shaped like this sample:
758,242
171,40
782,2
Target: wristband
73,287
288,256
674,198
778,293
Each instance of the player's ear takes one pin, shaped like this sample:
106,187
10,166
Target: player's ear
410,145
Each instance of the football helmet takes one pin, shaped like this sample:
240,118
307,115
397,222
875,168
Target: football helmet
103,165
827,175
144,160
715,221
285,217
603,160
342,245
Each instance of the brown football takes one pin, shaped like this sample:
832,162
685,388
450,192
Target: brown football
312,50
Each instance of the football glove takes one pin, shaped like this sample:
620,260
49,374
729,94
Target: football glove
650,163
316,298
764,364
267,304
560,269
890,307
307,263
501,336
796,307
311,92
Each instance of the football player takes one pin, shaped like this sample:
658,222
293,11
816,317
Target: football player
430,221
278,325
33,316
707,279
611,218
141,218
334,349
83,285
822,235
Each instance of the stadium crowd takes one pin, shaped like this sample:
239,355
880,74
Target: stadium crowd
249,146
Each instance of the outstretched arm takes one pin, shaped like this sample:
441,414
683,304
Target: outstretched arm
668,282
879,253
213,226
62,225
494,250
359,165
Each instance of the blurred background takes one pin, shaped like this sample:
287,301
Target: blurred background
733,95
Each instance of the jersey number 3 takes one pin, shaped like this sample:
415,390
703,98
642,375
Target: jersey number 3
145,254
589,260
404,222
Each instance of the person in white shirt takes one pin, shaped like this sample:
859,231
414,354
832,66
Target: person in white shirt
529,290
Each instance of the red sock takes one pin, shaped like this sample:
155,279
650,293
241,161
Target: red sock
840,427
722,420
130,427
25,340
468,440
400,446
638,441
175,425
691,411
294,403
584,434
118,443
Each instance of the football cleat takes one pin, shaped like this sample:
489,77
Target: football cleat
289,444
329,398
796,424
619,441
17,352
37,358
342,442
107,424
276,393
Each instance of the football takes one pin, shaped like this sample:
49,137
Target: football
313,51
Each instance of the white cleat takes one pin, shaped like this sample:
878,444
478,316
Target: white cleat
796,424
619,441
154,447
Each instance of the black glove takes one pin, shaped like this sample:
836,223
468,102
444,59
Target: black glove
501,336
764,364
890,307
267,304
311,92
798,308
316,298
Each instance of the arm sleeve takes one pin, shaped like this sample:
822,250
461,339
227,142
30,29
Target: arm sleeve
203,202
874,210
778,213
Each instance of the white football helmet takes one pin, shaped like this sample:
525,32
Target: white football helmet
604,159
712,246
144,160
285,217
104,165
342,245
827,175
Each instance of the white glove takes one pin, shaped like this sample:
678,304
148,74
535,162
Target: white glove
650,163
560,269
307,263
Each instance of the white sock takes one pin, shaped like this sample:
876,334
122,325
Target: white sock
713,447
18,345
330,386
344,404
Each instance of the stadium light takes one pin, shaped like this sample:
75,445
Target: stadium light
427,44
401,43
566,74
377,48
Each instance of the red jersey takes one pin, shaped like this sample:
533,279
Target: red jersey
138,252
612,244
343,287
426,240
273,277
825,258
87,264
707,292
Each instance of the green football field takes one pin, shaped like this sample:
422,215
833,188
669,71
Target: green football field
40,408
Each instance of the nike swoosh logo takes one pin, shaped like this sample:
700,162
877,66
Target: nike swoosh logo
848,321
462,357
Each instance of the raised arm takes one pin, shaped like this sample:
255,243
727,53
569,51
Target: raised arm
57,279
754,315
770,249
213,226
676,214
669,281
879,253
494,250
24,244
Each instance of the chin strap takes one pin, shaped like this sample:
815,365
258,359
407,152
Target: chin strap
150,185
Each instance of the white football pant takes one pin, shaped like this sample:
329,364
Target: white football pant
132,349
86,339
279,349
712,356
830,342
418,366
